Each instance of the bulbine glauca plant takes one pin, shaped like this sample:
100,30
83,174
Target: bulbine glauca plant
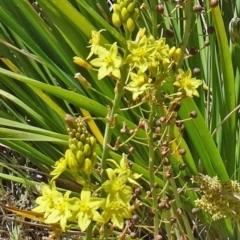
119,200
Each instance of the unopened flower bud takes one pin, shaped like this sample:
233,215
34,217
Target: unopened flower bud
87,166
131,6
82,63
130,25
82,80
116,20
124,14
116,8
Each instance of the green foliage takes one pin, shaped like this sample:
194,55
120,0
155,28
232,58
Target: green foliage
138,116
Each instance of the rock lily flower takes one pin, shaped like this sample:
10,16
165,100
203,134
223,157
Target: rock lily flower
185,81
116,211
116,186
108,62
85,209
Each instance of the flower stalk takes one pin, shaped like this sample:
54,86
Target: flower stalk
151,168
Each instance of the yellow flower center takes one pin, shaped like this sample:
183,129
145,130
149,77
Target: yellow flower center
141,52
108,60
116,206
84,207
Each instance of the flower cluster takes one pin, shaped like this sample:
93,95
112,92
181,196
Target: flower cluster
59,208
150,64
115,207
220,198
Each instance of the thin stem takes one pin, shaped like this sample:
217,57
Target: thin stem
108,130
89,232
187,30
151,168
179,204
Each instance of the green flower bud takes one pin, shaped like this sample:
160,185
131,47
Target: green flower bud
93,142
87,150
73,164
116,20
80,157
177,55
94,159
80,146
126,2
136,14
116,8
87,166
130,25
172,51
124,14
73,141
83,138
131,6
73,147
121,4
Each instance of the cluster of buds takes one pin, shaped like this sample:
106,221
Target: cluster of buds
125,13
81,153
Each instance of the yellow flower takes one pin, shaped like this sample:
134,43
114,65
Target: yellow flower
59,168
116,211
86,209
55,206
140,53
185,81
94,41
45,202
139,84
123,167
61,211
108,62
116,186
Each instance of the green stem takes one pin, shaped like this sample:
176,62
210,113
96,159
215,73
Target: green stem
187,30
180,205
154,19
151,168
108,130
89,232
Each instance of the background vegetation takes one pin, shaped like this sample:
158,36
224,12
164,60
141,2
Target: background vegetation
38,41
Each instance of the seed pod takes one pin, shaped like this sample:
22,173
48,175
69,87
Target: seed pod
159,8
214,3
80,157
130,25
234,30
87,166
87,150
116,20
